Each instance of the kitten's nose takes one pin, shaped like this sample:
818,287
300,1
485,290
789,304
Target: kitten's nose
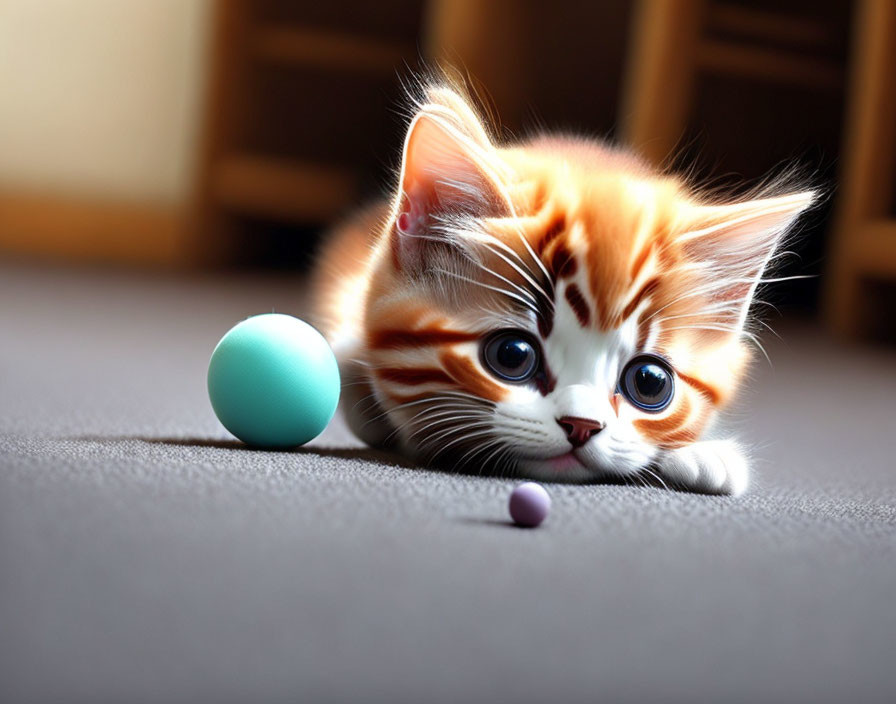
579,430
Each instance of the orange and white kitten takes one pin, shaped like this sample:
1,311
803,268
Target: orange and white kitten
554,308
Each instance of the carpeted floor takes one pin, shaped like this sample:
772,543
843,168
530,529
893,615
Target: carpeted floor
144,556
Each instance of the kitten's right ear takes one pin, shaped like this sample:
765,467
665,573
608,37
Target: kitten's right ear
734,243
447,169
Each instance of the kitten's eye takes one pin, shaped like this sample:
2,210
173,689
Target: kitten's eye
511,356
647,382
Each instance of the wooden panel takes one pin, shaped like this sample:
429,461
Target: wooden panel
659,76
390,20
328,50
768,64
874,248
483,43
283,189
869,152
763,25
224,126
331,117
77,229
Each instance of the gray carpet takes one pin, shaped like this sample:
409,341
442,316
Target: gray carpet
144,556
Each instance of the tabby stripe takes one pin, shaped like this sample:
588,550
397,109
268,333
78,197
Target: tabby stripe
545,315
465,373
562,264
399,399
545,321
704,388
554,229
461,373
424,337
679,439
649,287
539,197
545,382
641,260
578,304
413,377
656,428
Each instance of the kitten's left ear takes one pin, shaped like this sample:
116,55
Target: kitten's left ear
734,243
448,169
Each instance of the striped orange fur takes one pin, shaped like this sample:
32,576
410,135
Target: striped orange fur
561,250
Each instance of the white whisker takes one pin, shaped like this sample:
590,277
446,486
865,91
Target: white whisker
527,303
656,476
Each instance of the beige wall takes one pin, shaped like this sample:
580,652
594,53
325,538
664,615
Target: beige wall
101,97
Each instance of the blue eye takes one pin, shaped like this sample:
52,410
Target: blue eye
647,382
511,356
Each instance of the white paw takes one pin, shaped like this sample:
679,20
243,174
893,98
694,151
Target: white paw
713,467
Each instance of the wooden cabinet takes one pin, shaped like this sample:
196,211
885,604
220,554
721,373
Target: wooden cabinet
301,104
863,250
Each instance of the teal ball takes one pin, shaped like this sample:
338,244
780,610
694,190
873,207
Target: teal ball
273,381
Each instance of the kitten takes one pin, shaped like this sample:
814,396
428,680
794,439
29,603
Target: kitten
554,308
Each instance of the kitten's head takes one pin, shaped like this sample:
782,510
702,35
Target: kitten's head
556,306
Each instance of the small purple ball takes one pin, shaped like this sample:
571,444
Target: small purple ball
529,504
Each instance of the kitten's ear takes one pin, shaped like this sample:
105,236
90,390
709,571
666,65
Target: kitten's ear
734,243
448,168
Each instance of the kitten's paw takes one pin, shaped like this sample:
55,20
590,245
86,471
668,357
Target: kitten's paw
712,467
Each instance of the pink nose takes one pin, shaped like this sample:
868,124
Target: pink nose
579,430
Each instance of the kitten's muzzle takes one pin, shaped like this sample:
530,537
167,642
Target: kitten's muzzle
579,430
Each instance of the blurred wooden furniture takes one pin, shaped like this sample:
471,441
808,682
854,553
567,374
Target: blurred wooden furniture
298,108
485,42
674,42
70,228
864,245
801,47
296,99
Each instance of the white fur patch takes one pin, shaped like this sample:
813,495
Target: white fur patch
586,363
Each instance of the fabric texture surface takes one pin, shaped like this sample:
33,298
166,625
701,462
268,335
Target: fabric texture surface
147,556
